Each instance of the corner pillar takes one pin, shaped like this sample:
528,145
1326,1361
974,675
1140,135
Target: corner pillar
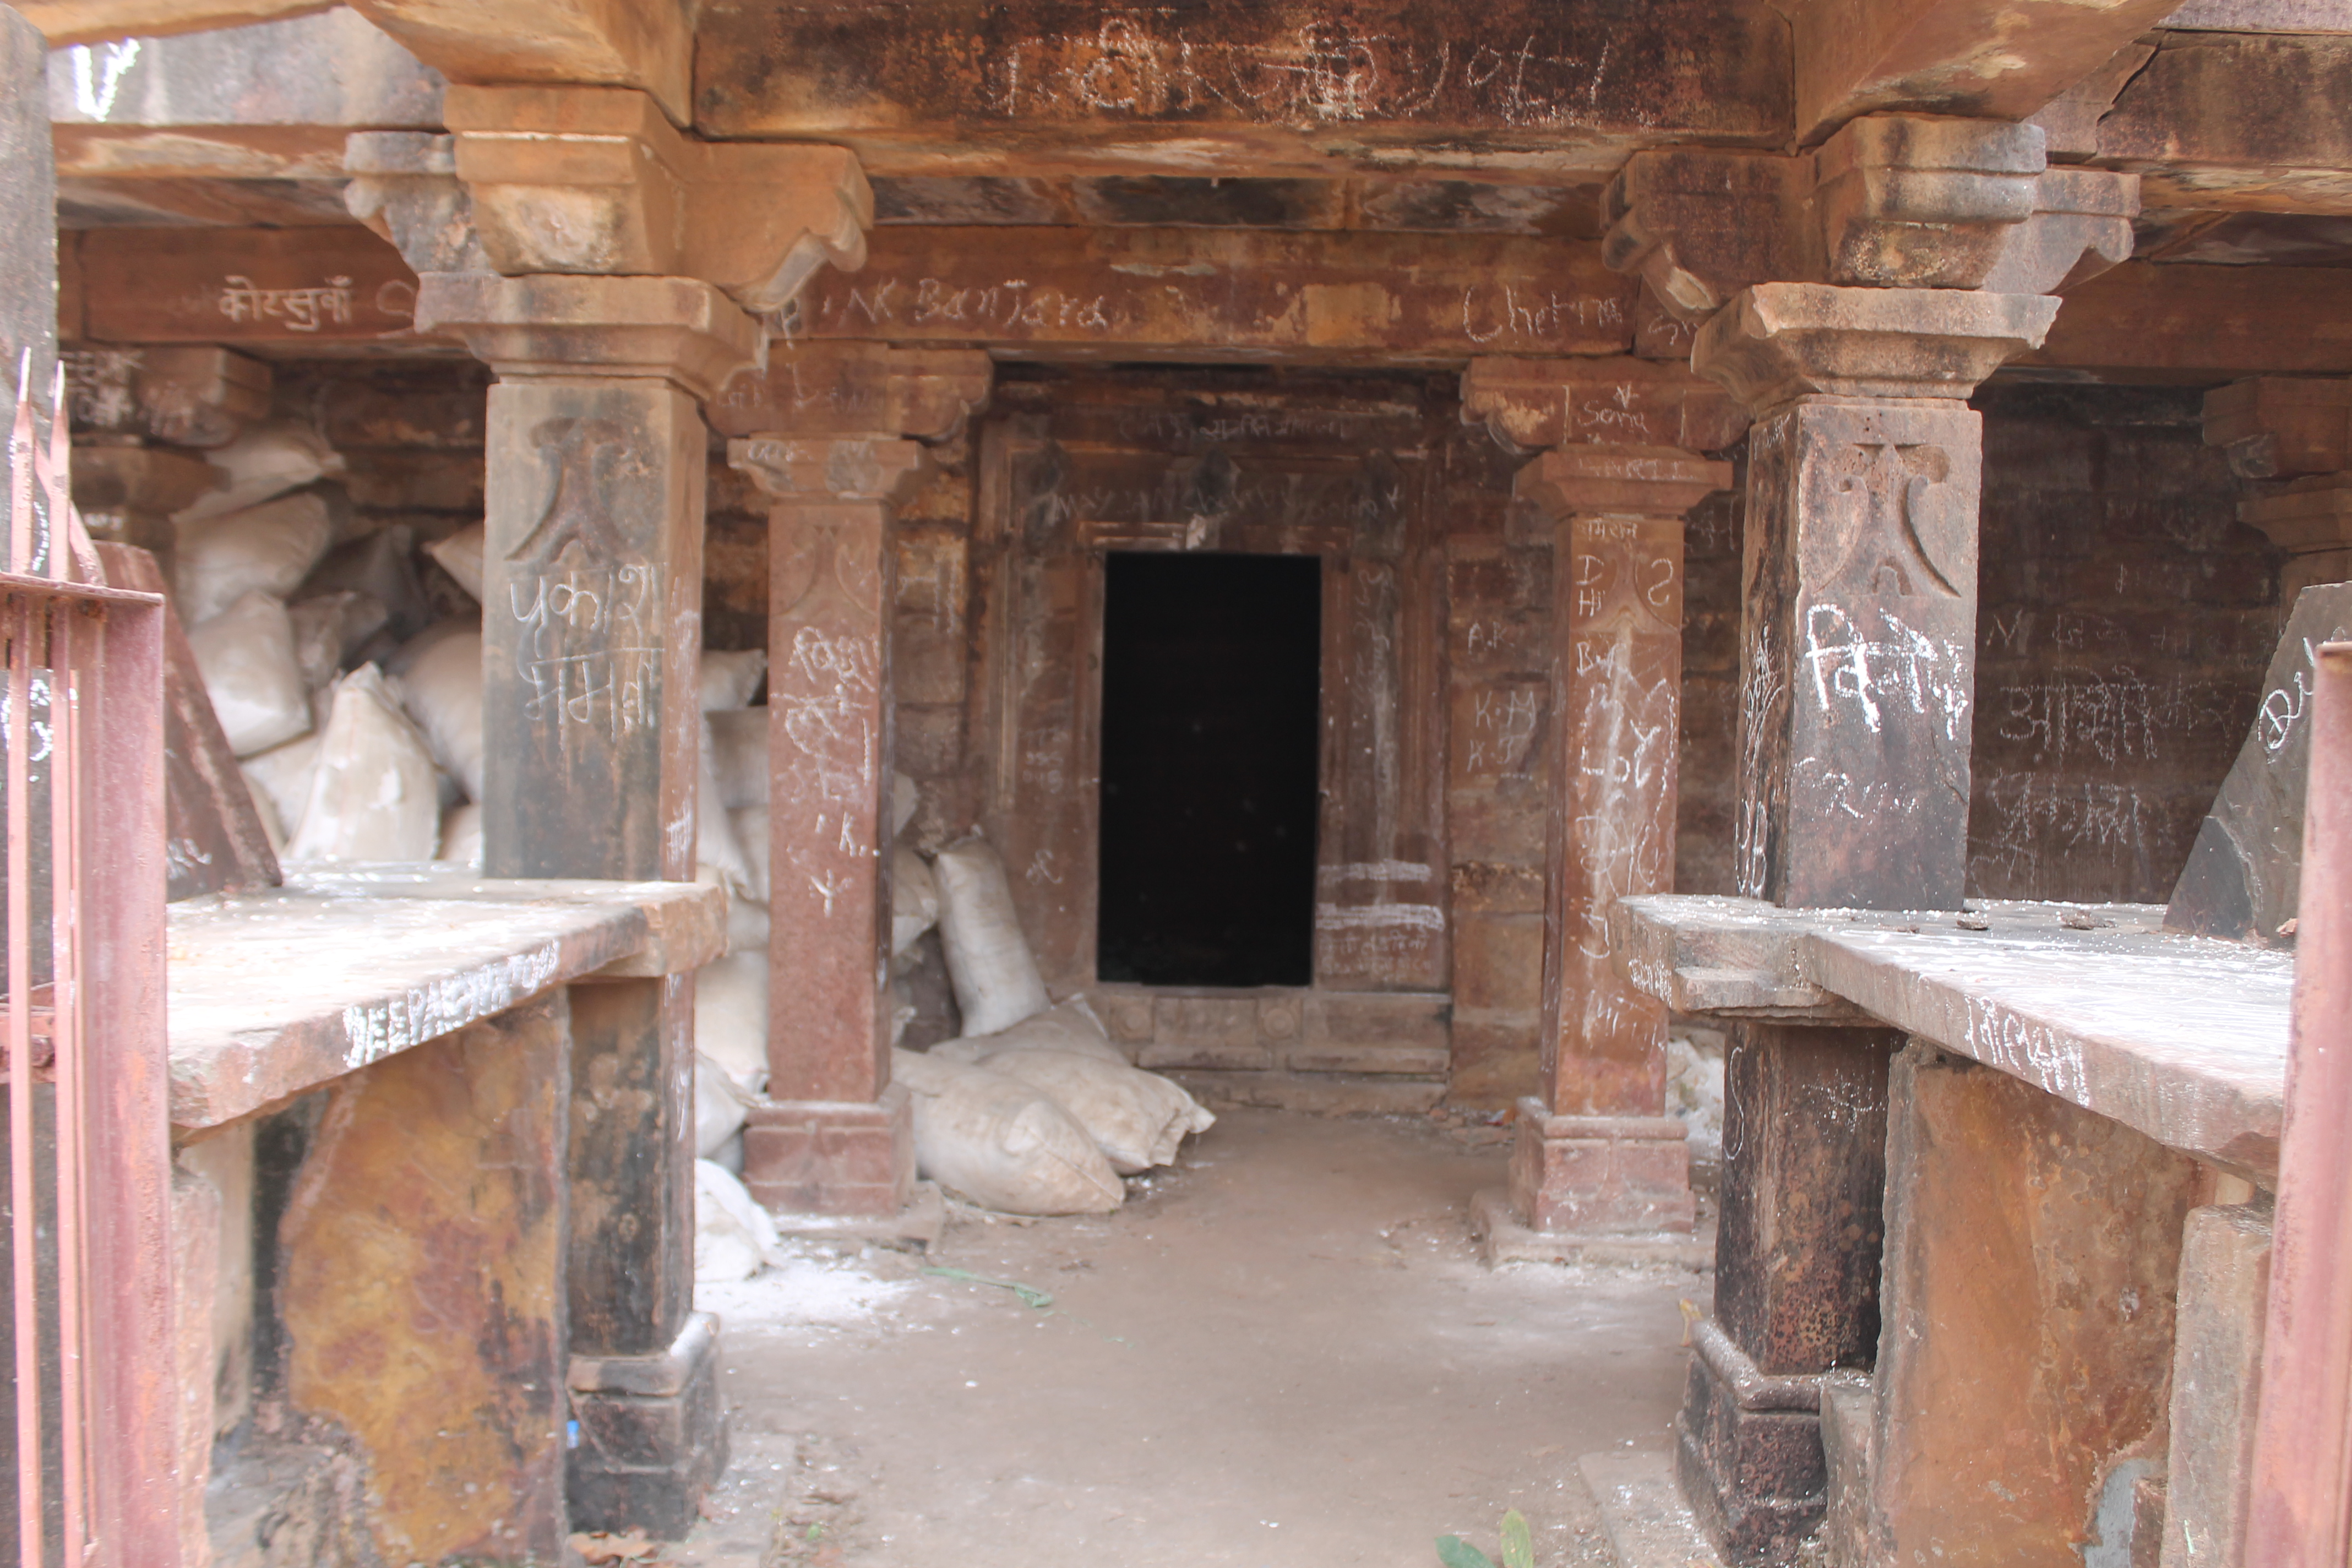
835,438
592,639
1858,682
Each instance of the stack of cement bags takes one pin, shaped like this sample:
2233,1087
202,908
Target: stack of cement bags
1034,1110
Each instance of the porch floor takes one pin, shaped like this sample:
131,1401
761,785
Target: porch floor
1282,1354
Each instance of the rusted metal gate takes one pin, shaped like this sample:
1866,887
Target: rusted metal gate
90,1331
2300,1509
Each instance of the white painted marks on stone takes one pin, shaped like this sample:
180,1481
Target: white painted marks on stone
374,1030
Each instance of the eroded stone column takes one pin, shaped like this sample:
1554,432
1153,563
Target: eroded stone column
1859,647
597,459
828,443
1599,1155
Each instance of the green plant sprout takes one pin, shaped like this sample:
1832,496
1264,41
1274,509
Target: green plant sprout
1518,1547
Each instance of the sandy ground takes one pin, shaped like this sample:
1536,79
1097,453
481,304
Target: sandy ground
1281,1354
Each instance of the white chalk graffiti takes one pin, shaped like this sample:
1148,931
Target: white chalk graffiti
591,648
374,1030
1900,665
1531,316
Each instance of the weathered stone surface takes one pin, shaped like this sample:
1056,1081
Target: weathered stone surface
2181,322
652,1435
1600,1175
278,992
852,1158
1779,340
1222,294
2032,1255
91,21
128,494
2243,879
854,389
2217,1374
2081,227
642,44
2312,521
1860,652
1233,88
638,198
196,1256
292,286
186,394
1699,226
405,186
676,330
2282,428
330,69
1997,58
1533,402
29,250
421,1287
2218,121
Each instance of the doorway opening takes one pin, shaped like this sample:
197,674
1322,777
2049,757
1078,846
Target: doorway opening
1212,686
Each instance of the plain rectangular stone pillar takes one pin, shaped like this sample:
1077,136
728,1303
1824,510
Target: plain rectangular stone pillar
1597,1154
1858,675
2216,1380
824,433
597,459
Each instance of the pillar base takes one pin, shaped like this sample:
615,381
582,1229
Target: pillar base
1748,1452
807,1157
1600,1175
651,1436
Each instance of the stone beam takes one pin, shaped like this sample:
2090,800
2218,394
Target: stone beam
2223,119
96,21
1234,86
644,44
1223,294
2002,59
2145,322
286,289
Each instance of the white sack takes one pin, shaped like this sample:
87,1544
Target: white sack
331,628
270,547
460,556
914,899
904,801
731,679
730,1016
750,826
261,464
715,845
739,739
440,685
719,1110
996,1141
748,926
1072,1027
461,836
376,795
282,775
1137,1119
733,1237
251,674
989,964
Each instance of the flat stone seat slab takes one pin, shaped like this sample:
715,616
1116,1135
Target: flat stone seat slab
274,993
2181,1038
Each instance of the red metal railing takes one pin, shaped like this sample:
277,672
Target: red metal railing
2300,1503
88,1155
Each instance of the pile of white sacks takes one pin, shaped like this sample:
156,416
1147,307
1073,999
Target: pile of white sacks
1034,1110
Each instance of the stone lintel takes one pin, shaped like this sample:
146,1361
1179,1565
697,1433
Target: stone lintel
856,389
870,467
1778,341
2281,427
642,199
831,1157
628,43
679,330
2311,516
1637,481
1533,402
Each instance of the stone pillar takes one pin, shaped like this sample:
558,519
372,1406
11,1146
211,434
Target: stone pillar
2299,429
828,442
592,636
1597,1154
1859,648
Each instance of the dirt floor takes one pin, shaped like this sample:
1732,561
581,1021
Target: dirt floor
1283,1353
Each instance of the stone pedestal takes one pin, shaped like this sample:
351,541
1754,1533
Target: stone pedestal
1609,1160
592,638
828,445
1854,725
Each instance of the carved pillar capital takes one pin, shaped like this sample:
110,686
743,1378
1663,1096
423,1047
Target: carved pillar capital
2281,427
856,389
1778,341
597,181
674,329
1534,403
881,469
1620,481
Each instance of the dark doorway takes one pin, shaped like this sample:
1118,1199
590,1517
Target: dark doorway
1211,684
